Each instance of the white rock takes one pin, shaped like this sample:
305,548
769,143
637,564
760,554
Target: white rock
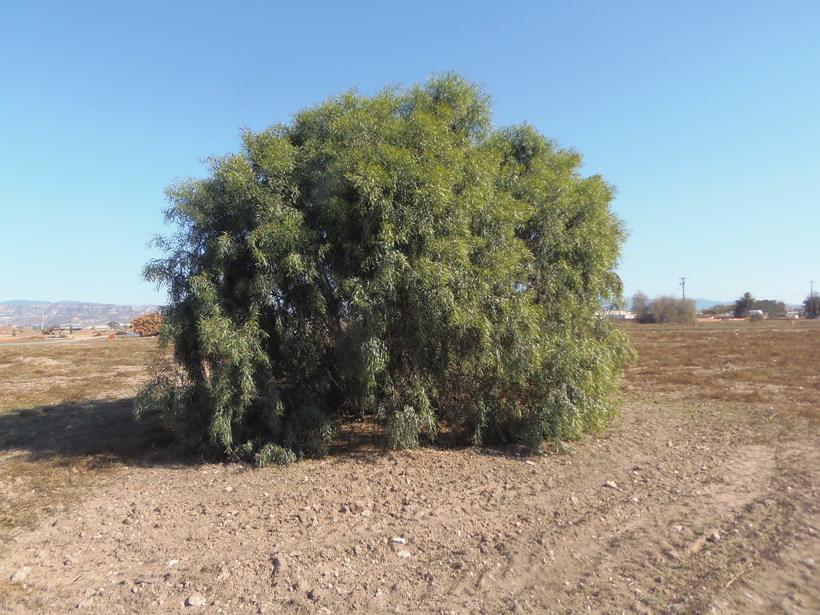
399,541
196,599
21,574
611,484
404,554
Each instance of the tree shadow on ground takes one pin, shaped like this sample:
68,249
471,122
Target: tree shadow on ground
108,429
91,428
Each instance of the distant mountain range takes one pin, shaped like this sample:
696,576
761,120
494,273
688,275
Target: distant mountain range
37,314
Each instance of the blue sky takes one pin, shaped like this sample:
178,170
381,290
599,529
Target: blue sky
705,115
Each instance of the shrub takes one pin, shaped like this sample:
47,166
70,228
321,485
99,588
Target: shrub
147,325
664,309
392,256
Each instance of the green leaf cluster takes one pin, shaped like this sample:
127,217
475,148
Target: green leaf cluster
392,256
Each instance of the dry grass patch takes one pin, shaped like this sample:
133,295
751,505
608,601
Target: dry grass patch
48,374
769,362
65,418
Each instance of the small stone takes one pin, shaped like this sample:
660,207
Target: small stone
314,595
404,554
809,563
172,562
398,541
228,489
21,574
196,599
611,484
714,536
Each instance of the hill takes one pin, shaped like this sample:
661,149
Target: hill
36,314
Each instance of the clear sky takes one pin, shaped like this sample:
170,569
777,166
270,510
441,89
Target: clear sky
704,114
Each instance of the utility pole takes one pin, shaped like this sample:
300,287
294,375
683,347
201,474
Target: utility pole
683,287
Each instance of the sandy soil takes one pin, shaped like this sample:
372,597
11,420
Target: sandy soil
684,506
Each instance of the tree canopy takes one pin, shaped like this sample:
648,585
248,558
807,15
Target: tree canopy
743,305
811,305
772,307
393,256
663,309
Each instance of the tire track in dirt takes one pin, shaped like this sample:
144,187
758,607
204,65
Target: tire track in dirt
461,531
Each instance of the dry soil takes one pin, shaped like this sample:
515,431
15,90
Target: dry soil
701,498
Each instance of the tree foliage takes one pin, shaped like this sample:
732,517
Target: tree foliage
393,256
664,309
772,307
641,307
719,308
811,306
743,305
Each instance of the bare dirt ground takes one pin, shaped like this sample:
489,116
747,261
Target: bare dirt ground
702,498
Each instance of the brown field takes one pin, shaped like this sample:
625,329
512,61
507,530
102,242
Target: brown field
702,498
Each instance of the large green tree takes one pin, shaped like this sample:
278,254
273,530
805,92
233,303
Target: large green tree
394,256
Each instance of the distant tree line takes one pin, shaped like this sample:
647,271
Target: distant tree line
667,309
746,303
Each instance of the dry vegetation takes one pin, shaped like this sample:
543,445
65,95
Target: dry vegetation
715,461
731,361
45,373
65,416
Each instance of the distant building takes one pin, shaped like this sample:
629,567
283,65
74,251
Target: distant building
617,314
